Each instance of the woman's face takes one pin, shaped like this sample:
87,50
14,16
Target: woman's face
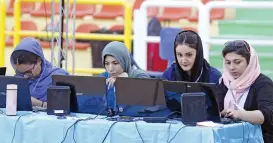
236,64
185,56
30,71
112,66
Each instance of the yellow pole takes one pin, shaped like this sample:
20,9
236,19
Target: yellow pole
17,23
127,37
2,32
88,71
128,26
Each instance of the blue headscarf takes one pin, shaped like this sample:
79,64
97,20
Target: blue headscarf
38,86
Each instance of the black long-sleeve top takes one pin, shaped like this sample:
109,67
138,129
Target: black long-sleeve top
260,97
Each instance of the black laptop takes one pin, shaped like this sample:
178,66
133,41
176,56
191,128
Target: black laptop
23,93
211,90
140,97
91,92
180,87
174,90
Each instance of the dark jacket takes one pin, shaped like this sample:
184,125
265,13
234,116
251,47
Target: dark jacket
260,97
170,74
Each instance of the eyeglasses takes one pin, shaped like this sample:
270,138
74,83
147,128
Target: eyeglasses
238,44
27,73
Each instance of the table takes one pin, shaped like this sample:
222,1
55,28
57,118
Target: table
42,128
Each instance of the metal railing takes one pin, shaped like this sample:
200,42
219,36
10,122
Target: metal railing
141,37
204,21
127,37
140,24
2,32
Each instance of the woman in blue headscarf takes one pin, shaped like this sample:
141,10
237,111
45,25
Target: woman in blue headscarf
117,63
29,62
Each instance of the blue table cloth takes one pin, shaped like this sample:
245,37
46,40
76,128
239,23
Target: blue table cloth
41,128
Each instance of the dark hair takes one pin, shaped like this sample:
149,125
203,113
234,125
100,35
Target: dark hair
192,39
24,57
239,47
187,38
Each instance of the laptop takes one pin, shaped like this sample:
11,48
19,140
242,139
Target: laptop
91,92
179,87
3,70
174,90
23,93
214,112
134,95
160,108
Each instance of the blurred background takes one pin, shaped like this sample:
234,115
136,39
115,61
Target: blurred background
41,17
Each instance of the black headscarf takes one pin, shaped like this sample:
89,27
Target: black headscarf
200,64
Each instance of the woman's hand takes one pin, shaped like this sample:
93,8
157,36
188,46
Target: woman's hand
254,117
44,105
111,81
36,102
234,114
124,74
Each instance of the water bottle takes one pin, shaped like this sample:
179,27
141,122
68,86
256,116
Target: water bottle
11,100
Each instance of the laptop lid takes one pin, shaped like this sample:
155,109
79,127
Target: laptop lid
181,86
174,89
135,94
174,86
160,98
3,70
160,109
211,90
23,93
85,85
136,91
91,91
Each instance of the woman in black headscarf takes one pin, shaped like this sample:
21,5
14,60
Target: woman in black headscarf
189,65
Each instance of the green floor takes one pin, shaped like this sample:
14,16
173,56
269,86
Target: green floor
248,24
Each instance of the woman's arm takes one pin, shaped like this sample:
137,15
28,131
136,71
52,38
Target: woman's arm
36,102
264,100
254,117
